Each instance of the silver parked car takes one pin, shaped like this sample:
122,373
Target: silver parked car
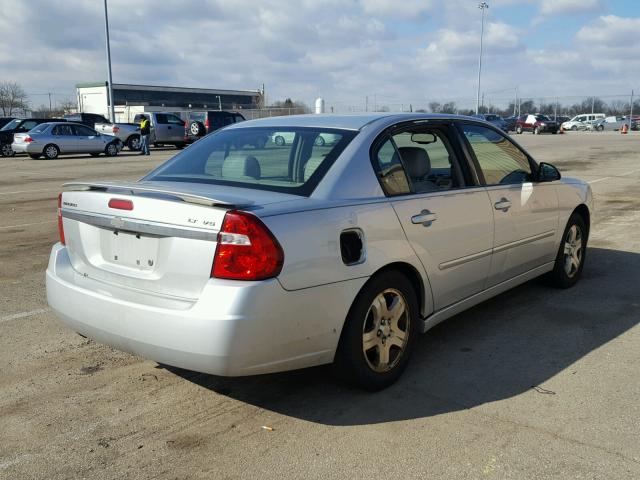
58,138
612,123
235,259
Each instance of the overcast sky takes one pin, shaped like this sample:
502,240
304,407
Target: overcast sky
400,51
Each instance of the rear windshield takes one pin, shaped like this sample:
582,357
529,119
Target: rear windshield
287,159
543,118
13,124
492,117
40,128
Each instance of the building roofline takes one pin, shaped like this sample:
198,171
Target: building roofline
161,88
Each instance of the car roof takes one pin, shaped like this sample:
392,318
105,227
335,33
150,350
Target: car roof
343,121
62,122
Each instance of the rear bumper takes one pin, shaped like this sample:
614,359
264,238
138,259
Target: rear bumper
232,329
26,147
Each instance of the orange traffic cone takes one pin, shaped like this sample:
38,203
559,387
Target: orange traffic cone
625,129
561,131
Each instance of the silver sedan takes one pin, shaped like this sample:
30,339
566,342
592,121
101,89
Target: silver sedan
239,259
58,138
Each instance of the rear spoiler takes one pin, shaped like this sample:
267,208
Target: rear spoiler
133,188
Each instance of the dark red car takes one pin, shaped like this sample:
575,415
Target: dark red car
536,124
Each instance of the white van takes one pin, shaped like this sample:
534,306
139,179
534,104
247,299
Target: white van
579,122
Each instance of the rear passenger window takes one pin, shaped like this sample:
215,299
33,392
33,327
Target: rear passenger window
499,159
419,161
63,130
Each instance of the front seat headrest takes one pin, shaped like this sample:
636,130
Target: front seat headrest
238,166
416,161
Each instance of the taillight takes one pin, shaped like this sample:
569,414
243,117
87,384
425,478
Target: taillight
27,139
206,123
116,129
60,225
246,249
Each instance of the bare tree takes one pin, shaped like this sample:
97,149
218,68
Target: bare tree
434,107
449,107
67,106
12,97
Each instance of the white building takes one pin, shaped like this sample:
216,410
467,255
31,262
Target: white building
133,99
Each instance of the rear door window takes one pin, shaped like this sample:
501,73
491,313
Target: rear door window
419,160
65,130
174,120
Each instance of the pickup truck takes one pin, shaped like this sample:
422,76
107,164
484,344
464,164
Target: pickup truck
166,129
128,133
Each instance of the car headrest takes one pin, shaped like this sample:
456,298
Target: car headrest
416,161
238,166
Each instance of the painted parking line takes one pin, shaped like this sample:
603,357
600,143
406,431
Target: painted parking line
614,176
27,224
16,316
29,191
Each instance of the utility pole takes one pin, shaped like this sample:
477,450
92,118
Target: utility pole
482,6
515,103
631,112
555,112
49,102
106,29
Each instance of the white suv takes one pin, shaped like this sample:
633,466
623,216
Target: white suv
579,122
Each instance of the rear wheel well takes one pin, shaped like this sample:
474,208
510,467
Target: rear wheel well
412,275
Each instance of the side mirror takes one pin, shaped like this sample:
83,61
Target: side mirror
548,173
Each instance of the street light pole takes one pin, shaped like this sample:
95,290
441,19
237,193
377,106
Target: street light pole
482,6
106,29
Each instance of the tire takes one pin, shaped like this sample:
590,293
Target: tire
133,143
519,130
319,141
279,140
574,128
572,250
554,132
197,129
35,156
51,151
111,150
393,338
600,128
6,150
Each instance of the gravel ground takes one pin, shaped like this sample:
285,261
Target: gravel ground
536,383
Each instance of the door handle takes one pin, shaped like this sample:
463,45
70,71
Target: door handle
502,204
425,217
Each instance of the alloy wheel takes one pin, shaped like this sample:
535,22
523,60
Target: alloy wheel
112,150
573,251
386,329
51,152
7,151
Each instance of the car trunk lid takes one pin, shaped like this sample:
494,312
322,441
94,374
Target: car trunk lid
145,236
